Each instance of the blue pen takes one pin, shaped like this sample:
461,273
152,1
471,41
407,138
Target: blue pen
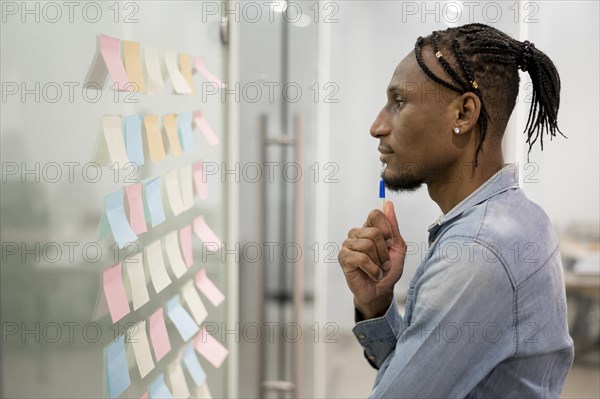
382,188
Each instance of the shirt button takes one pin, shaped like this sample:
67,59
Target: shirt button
371,357
362,336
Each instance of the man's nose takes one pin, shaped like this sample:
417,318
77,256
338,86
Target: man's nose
380,127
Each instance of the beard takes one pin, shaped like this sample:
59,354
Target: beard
402,182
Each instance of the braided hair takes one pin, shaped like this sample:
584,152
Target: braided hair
489,62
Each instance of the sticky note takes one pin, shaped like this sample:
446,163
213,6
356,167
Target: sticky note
211,349
137,280
184,123
144,395
137,220
194,303
159,336
156,147
115,213
179,83
154,204
133,65
185,64
201,185
208,75
208,288
202,392
159,389
193,366
155,80
115,366
113,134
177,382
205,233
138,340
114,292
185,241
174,254
182,320
111,53
170,125
205,128
174,192
187,187
133,139
156,266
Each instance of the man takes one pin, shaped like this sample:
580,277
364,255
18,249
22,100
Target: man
485,313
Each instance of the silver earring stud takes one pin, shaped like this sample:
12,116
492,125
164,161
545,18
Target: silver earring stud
457,130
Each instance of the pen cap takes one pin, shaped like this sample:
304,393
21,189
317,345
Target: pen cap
381,189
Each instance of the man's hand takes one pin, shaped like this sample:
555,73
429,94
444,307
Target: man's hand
372,258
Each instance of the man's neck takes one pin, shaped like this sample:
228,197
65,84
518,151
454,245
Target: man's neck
464,180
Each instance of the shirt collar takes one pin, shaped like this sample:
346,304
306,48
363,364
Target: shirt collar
506,178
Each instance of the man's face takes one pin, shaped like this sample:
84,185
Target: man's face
415,127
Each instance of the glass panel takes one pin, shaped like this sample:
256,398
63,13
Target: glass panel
53,332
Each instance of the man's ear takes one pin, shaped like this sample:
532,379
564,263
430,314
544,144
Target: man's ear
469,108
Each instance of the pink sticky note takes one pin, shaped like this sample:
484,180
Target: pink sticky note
114,292
208,288
207,131
208,75
205,233
111,53
185,242
144,396
137,220
210,348
159,335
201,186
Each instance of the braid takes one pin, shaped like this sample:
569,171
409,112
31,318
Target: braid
444,63
492,59
427,71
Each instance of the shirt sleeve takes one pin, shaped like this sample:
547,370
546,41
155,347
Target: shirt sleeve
460,328
378,336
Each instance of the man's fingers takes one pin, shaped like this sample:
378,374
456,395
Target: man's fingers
378,220
369,240
352,261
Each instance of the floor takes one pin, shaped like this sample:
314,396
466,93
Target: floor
351,376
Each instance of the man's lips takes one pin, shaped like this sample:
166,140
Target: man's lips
384,150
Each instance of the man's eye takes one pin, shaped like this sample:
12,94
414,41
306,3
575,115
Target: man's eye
398,101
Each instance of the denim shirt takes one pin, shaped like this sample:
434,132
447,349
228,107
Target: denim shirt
485,313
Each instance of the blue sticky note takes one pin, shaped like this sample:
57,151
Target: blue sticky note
185,325
115,213
115,365
133,139
184,127
158,389
193,366
154,205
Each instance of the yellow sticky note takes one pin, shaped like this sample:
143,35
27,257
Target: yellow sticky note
179,387
170,125
155,79
174,192
185,64
138,340
133,65
174,254
113,134
154,138
156,265
180,85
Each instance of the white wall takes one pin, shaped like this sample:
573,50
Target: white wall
567,170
